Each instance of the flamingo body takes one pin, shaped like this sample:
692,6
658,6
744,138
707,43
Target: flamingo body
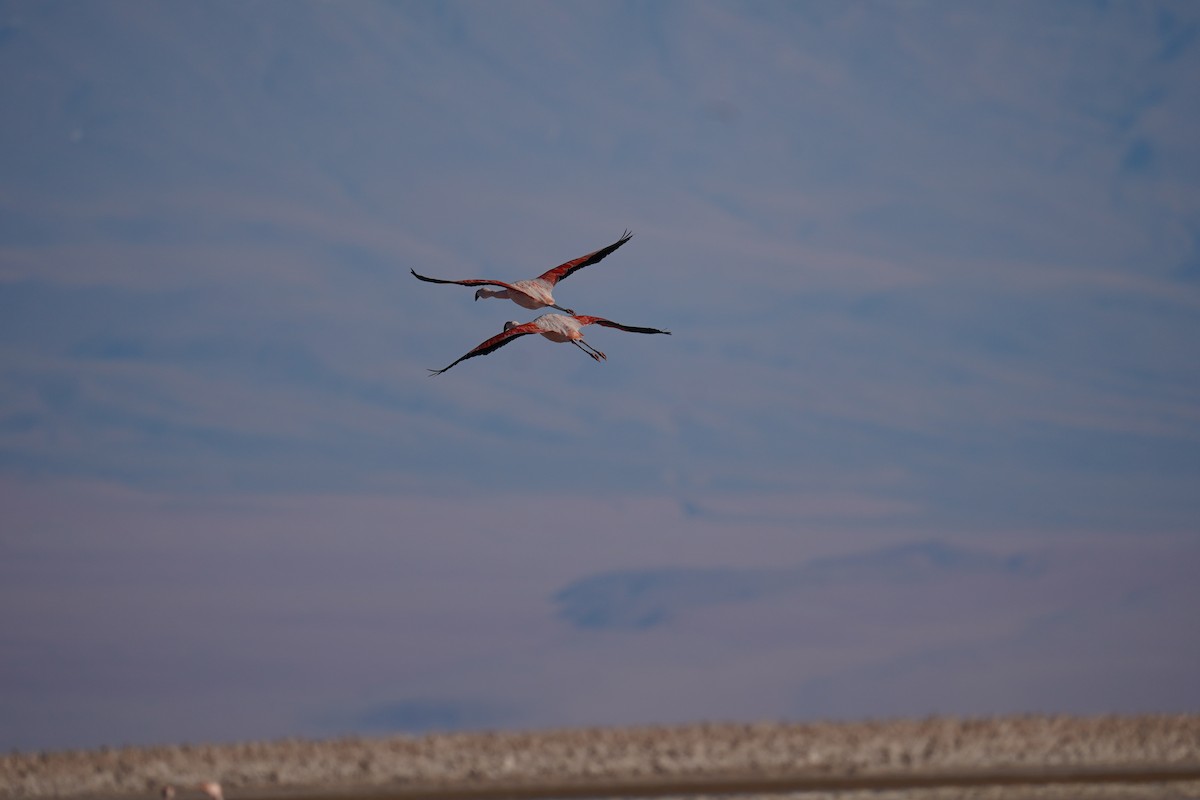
555,327
537,292
532,294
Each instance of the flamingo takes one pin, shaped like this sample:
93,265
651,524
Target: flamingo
556,328
538,292
211,789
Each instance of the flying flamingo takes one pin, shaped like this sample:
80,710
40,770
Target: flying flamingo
211,789
536,293
556,328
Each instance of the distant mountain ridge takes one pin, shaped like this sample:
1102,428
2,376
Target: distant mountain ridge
640,599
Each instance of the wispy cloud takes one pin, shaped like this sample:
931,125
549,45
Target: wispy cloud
648,598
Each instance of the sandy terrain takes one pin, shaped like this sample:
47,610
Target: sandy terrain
252,769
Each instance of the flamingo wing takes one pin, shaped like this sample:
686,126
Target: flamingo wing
608,323
555,275
467,282
493,344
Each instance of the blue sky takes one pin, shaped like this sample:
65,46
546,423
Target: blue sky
933,274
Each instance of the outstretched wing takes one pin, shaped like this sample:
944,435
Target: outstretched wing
493,344
467,282
608,323
555,275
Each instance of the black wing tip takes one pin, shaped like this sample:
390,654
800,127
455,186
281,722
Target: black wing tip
608,323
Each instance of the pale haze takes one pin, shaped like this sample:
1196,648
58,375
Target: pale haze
925,438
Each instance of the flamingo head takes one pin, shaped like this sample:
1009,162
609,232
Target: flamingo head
512,323
478,293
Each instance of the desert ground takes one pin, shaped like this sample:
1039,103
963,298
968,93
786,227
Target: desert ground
373,766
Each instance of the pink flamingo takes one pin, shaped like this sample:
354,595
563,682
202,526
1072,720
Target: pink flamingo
538,292
556,328
211,789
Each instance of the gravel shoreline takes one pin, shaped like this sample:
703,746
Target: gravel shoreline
618,753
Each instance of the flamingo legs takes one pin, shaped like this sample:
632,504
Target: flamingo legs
587,348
